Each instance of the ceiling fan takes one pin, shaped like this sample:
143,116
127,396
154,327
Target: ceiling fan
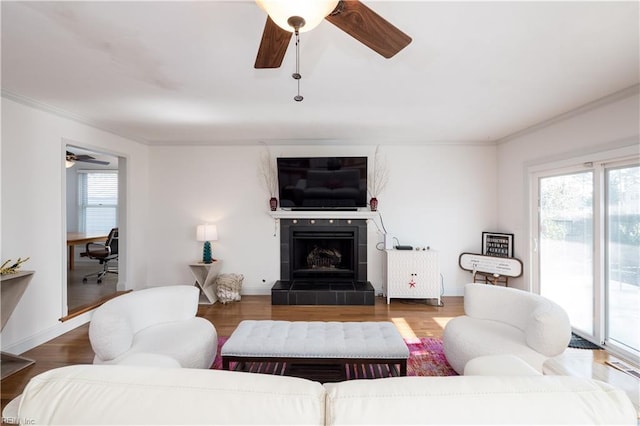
351,16
72,158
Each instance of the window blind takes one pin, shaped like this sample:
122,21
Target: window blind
97,201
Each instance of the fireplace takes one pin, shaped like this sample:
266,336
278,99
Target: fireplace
323,262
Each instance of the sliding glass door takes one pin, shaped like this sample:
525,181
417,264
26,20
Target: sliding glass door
623,256
586,251
566,245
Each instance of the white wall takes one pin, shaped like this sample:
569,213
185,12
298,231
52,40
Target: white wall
605,125
438,196
33,205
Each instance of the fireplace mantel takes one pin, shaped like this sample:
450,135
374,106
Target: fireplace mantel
329,214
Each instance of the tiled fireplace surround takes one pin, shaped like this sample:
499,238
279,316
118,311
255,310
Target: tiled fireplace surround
335,273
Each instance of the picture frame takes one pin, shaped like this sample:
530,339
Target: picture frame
497,244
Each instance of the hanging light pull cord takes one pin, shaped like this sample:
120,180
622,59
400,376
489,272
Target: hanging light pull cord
296,75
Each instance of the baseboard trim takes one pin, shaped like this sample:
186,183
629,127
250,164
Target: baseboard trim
44,336
91,306
256,291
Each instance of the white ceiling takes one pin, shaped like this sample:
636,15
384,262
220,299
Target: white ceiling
182,72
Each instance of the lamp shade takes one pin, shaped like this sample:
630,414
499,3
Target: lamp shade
207,233
312,11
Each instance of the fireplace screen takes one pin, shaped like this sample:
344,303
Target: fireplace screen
319,255
322,258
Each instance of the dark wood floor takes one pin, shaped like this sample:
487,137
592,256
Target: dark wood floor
413,318
81,294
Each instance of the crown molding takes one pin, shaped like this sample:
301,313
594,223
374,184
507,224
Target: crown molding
67,115
613,97
328,142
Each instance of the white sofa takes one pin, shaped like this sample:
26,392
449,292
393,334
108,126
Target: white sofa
153,327
500,320
117,394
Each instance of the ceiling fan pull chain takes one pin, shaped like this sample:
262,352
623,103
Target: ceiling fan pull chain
296,75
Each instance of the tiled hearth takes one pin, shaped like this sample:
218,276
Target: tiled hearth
323,261
286,293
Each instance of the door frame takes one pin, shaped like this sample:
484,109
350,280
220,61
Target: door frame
598,161
122,216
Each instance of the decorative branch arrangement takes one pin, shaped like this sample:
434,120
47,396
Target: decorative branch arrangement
4,269
267,172
378,175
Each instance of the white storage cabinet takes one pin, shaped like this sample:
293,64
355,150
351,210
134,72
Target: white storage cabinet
412,274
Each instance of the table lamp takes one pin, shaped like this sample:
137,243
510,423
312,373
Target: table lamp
207,233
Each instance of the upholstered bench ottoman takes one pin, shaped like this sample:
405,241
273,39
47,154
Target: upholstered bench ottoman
323,351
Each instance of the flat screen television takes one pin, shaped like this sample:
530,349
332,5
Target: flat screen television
319,183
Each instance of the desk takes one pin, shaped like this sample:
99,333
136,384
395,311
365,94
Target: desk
78,238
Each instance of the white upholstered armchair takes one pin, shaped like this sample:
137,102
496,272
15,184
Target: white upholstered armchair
499,321
153,327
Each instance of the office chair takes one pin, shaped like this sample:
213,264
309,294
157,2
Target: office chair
103,253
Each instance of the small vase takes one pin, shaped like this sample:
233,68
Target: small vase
373,203
273,203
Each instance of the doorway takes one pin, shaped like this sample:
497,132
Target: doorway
92,210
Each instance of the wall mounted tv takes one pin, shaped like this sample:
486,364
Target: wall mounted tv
319,183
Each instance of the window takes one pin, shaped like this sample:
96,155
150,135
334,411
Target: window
98,201
586,233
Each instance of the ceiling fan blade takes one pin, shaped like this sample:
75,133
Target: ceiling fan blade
273,46
88,160
368,27
83,157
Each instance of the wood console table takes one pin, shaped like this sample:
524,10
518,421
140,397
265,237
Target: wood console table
490,269
12,288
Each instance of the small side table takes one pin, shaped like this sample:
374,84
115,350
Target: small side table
205,275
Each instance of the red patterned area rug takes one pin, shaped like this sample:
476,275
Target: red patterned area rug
426,357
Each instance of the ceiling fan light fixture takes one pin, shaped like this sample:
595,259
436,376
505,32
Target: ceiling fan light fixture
311,11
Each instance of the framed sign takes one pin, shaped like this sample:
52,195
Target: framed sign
494,244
